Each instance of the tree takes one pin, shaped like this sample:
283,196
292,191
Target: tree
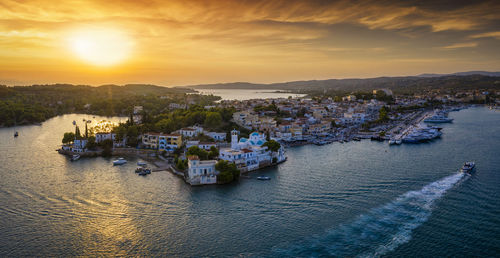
107,147
213,120
197,151
383,115
333,124
77,132
272,145
120,132
165,125
132,135
213,153
227,171
181,164
68,137
91,144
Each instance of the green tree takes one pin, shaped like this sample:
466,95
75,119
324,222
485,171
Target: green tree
68,137
272,145
165,125
197,151
383,115
107,147
77,132
132,135
91,144
227,171
213,120
213,153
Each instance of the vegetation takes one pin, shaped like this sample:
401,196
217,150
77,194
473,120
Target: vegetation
383,115
227,172
37,103
272,145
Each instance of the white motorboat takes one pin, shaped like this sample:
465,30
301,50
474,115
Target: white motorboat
263,178
75,157
119,161
141,163
468,167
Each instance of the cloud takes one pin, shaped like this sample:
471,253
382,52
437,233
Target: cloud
493,34
211,38
461,45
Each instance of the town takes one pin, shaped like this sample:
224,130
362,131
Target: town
218,142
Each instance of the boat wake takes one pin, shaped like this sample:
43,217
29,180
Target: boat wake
380,230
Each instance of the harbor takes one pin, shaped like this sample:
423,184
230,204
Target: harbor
319,189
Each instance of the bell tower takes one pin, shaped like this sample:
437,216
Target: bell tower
234,139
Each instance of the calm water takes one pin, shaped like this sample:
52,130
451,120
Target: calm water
360,198
229,94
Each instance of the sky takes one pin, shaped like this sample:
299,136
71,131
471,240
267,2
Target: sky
196,42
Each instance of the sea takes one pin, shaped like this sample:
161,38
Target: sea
357,199
245,94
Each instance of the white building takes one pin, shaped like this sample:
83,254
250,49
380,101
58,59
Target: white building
100,137
249,154
192,131
201,172
202,145
217,136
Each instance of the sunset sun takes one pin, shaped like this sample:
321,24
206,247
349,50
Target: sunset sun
100,47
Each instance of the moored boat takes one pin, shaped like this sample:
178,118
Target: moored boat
141,163
16,134
119,161
263,178
75,157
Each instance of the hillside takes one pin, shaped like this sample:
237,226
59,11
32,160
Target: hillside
397,84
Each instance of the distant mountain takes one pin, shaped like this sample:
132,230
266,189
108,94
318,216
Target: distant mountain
402,84
494,74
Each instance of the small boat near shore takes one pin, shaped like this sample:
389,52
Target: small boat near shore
16,134
141,163
468,167
75,157
119,161
143,171
263,178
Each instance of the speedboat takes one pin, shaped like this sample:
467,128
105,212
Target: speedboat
75,157
263,178
119,161
468,167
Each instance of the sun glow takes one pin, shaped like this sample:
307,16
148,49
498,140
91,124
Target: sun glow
101,47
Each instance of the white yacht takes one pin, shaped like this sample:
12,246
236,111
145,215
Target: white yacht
119,161
468,167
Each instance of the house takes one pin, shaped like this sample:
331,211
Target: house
202,145
160,141
216,136
201,172
192,131
100,137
